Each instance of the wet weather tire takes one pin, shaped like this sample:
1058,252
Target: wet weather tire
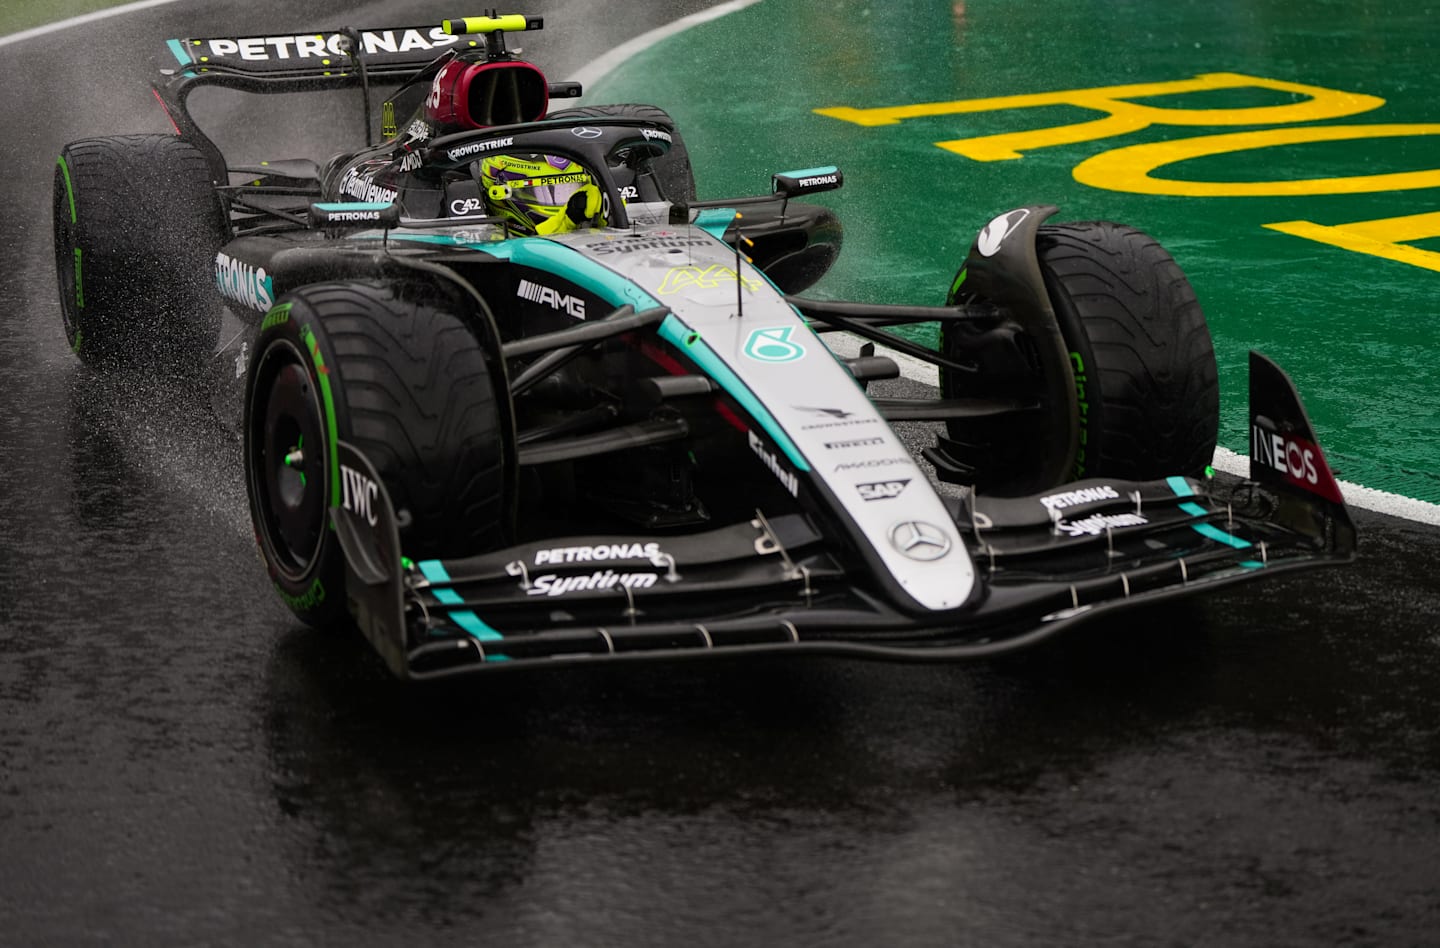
677,178
394,374
1142,353
137,226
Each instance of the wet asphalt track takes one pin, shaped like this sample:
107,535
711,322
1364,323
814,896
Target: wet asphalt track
181,764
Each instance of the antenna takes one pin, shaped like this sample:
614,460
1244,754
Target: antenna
353,48
739,277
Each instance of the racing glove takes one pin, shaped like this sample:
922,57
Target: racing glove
583,205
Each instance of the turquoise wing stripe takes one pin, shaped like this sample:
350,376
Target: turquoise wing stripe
434,571
467,620
1182,488
177,49
1220,536
477,629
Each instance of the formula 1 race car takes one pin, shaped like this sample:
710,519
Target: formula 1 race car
512,393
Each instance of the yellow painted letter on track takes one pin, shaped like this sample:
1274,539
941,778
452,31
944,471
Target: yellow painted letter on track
1132,169
1385,237
1120,116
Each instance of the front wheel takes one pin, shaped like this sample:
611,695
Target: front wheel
380,367
1140,354
1144,362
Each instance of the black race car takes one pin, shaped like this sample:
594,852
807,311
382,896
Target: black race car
512,394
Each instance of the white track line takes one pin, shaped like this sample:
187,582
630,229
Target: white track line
601,67
82,20
1356,495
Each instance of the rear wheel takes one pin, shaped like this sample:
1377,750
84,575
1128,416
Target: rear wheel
395,375
676,177
137,226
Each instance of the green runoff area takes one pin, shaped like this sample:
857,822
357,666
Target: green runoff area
1286,152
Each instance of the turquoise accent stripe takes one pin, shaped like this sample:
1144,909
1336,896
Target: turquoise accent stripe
1219,536
811,172
434,571
546,255
1182,488
177,48
444,240
715,220
574,266
476,626
675,332
355,206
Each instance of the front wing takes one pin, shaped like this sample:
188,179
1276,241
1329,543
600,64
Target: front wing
785,584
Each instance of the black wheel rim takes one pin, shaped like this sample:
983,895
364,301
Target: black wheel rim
288,460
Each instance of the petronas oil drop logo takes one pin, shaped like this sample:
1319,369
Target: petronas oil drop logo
773,344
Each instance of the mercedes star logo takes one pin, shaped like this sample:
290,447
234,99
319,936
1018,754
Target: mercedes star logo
585,131
919,540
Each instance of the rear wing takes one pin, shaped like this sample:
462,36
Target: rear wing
315,54
331,59
389,52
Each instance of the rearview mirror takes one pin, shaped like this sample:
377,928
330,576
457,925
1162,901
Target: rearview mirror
355,214
812,181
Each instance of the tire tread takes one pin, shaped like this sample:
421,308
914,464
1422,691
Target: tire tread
1159,387
422,407
148,222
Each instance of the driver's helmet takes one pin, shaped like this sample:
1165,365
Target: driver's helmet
542,194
